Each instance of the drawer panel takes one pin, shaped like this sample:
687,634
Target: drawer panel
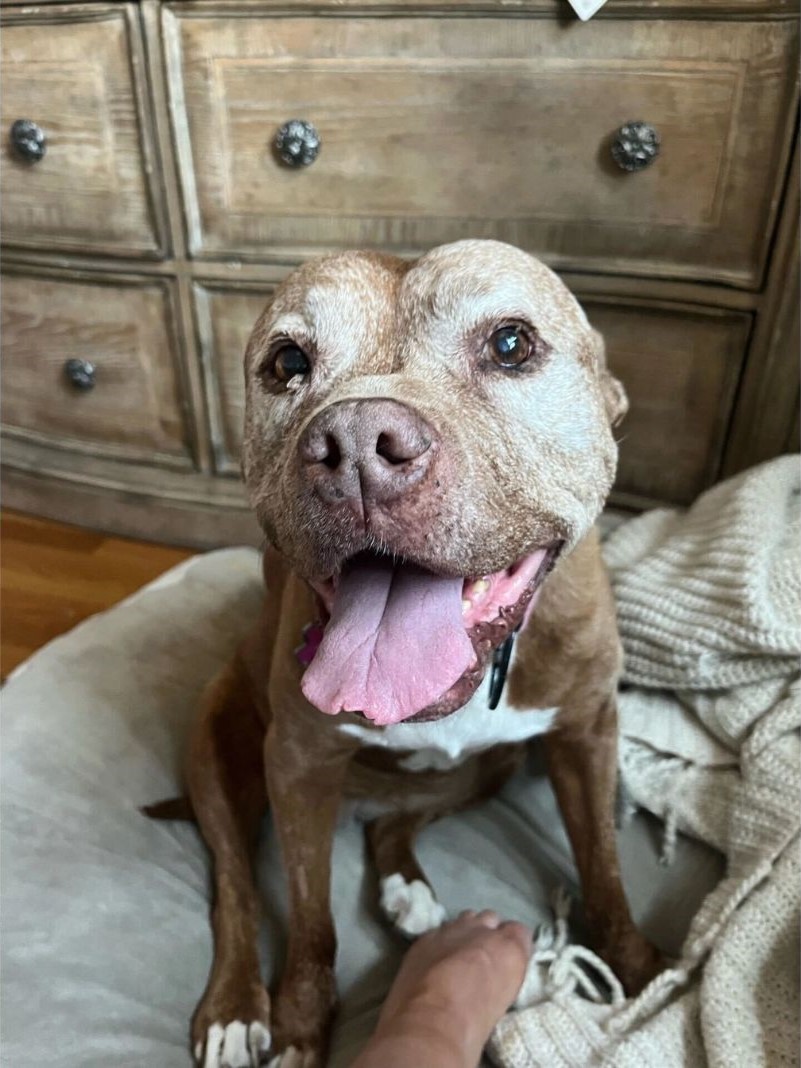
225,318
680,367
73,77
134,410
679,364
436,129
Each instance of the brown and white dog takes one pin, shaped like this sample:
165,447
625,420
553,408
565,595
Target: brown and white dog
427,447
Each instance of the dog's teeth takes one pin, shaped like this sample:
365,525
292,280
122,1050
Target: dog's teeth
474,593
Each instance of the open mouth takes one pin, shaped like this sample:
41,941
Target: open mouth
402,643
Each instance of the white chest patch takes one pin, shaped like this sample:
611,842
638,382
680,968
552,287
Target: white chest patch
446,742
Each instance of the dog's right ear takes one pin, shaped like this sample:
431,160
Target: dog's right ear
615,400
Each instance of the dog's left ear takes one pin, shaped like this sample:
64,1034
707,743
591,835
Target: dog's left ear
615,399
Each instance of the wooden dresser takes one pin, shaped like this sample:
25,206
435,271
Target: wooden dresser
146,215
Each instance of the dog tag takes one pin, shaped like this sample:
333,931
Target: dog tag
585,9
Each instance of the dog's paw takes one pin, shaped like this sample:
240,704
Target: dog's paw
303,1011
235,1045
231,1027
293,1057
411,907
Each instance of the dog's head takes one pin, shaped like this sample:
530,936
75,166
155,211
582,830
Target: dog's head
422,439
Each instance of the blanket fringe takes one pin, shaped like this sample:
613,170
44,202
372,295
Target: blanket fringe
659,990
559,968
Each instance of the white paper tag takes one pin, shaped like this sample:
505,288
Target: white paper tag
585,9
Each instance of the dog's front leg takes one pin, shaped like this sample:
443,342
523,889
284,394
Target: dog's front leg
582,763
305,784
231,1025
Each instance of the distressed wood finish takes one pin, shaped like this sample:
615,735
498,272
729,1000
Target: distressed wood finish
766,419
680,365
143,507
437,129
225,319
614,9
439,120
134,410
77,74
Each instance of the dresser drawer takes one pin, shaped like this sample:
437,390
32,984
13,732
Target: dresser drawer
680,366
225,319
130,407
71,72
433,129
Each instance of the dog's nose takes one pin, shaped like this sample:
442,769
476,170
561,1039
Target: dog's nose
366,450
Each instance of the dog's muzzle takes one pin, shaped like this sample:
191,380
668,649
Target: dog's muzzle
366,452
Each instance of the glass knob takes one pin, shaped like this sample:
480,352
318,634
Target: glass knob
297,143
635,146
80,374
28,140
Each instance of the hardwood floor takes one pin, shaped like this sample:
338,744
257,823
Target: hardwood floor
52,576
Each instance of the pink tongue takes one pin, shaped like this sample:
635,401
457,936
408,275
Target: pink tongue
395,643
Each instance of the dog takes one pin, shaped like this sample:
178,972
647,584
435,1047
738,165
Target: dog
427,447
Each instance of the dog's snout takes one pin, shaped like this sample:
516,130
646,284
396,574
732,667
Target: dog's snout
366,451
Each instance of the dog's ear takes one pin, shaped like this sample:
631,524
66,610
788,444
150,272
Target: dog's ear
615,399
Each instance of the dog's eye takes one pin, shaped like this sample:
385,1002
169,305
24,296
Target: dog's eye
290,360
510,346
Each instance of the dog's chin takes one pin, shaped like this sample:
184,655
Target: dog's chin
493,607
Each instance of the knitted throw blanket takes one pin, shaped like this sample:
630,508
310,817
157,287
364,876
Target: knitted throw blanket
709,603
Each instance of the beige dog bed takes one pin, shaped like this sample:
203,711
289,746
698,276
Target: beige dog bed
106,939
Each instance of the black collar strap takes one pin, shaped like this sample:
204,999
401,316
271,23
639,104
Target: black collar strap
500,666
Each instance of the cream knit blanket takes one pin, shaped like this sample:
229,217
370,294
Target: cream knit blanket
709,604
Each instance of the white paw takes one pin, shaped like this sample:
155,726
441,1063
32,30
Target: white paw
237,1045
411,907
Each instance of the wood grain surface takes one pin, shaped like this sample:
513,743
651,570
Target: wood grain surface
52,576
79,80
134,411
436,129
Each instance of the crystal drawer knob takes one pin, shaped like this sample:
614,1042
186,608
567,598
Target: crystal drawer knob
80,374
635,146
297,143
28,140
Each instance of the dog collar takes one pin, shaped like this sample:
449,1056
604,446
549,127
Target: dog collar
501,658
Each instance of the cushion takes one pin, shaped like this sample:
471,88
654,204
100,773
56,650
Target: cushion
106,937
